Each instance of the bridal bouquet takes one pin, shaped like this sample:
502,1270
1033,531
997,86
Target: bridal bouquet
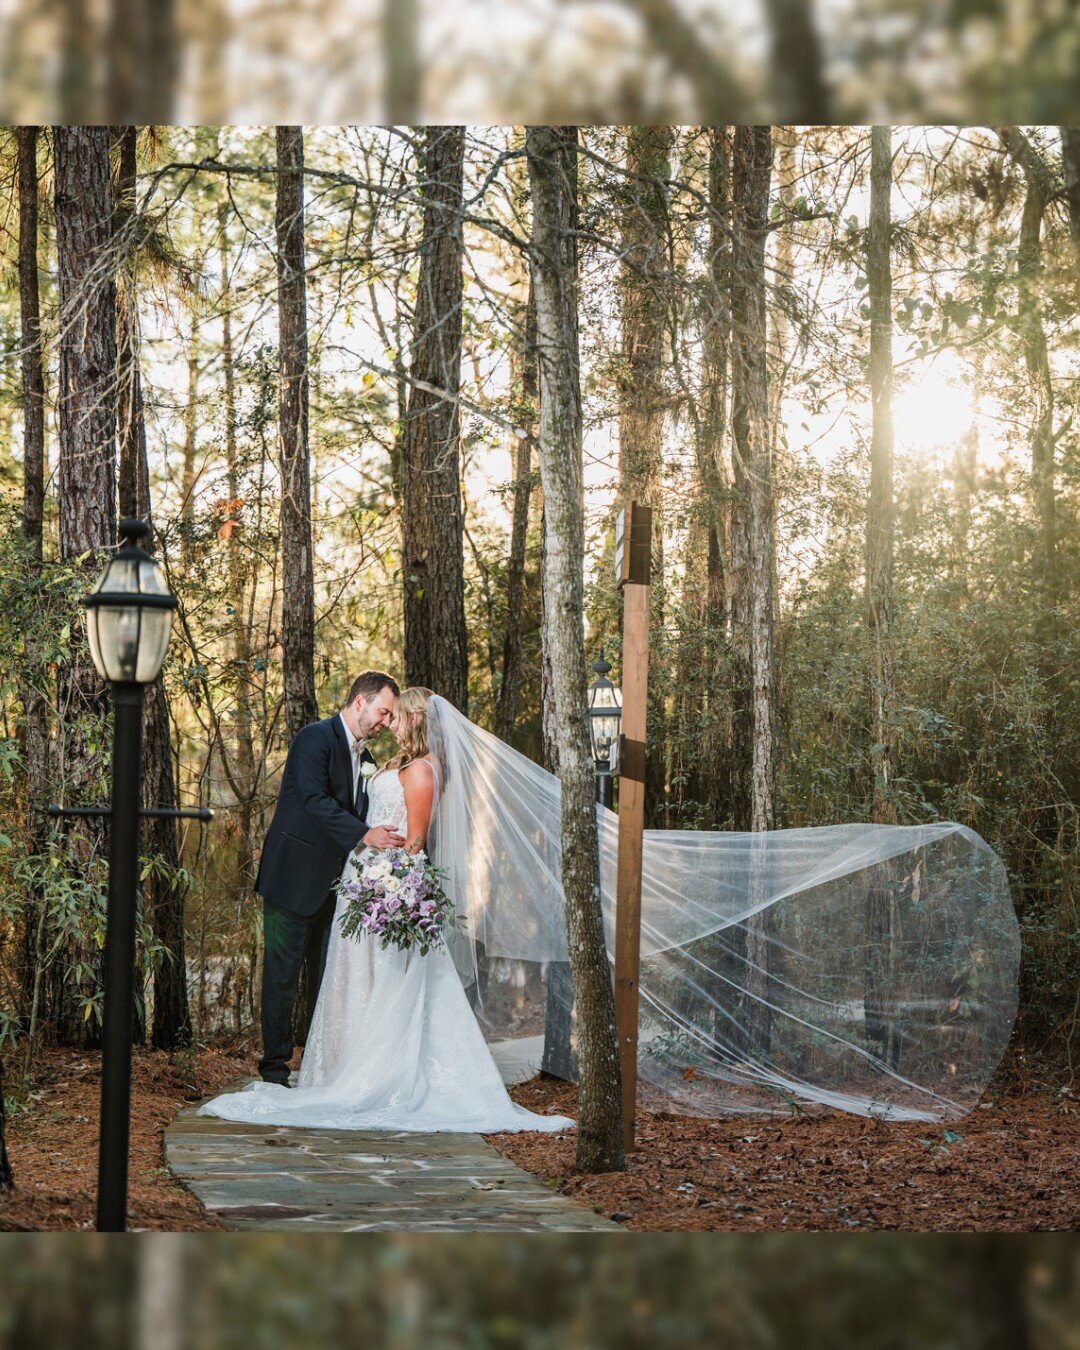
398,897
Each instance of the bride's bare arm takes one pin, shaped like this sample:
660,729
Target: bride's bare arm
418,784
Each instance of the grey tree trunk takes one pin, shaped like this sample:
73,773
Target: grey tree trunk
436,643
881,919
297,577
752,566
87,474
553,175
643,287
401,61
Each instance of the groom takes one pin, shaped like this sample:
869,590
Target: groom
320,818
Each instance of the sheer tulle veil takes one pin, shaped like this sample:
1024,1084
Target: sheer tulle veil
870,968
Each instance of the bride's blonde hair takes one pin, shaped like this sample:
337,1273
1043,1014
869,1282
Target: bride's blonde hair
411,708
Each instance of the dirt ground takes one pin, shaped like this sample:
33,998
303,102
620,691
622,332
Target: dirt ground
53,1140
1012,1164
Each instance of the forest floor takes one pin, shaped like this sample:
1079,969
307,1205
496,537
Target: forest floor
1011,1164
53,1139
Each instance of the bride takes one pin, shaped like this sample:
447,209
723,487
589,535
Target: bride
865,968
393,1043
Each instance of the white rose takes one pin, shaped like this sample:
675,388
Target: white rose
367,769
392,884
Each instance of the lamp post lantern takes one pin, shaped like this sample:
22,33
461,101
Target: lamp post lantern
605,714
128,621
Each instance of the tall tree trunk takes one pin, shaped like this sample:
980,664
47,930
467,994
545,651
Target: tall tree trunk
34,693
33,366
77,94
881,919
643,292
298,586
752,549
525,420
797,62
553,175
87,472
1040,190
714,469
401,61
436,643
880,512
162,1296
133,476
1070,164
143,62
191,427
163,894
241,757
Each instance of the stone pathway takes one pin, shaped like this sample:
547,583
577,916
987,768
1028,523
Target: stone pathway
276,1178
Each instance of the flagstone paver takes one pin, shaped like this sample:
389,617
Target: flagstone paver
268,1177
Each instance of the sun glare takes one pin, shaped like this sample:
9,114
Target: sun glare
932,412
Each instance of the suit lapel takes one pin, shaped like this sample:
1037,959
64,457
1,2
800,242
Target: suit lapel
361,804
345,754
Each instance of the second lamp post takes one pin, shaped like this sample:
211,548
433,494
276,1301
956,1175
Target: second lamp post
605,714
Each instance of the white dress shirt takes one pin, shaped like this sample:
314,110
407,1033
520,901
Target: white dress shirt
355,747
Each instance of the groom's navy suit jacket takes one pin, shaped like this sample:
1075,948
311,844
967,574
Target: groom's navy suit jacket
315,826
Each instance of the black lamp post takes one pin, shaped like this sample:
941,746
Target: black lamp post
605,713
128,621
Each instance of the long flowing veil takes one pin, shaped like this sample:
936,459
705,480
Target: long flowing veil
871,968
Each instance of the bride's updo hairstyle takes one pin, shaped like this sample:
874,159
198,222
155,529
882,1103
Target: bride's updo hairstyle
411,709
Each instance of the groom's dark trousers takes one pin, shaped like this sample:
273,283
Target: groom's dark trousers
316,826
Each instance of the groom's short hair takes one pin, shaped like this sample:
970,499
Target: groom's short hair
372,682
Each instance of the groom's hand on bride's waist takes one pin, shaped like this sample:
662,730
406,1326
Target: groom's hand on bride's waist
382,836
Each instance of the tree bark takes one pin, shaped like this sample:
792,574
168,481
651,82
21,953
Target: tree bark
87,474
506,709
1040,190
553,176
163,895
881,919
298,586
796,63
752,551
714,468
33,366
143,59
642,397
880,512
34,692
1070,164
162,1294
401,61
436,643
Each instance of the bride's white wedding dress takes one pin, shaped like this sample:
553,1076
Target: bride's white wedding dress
393,1043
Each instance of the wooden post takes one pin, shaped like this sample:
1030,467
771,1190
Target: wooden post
633,562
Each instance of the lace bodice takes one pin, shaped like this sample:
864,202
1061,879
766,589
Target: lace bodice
386,800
